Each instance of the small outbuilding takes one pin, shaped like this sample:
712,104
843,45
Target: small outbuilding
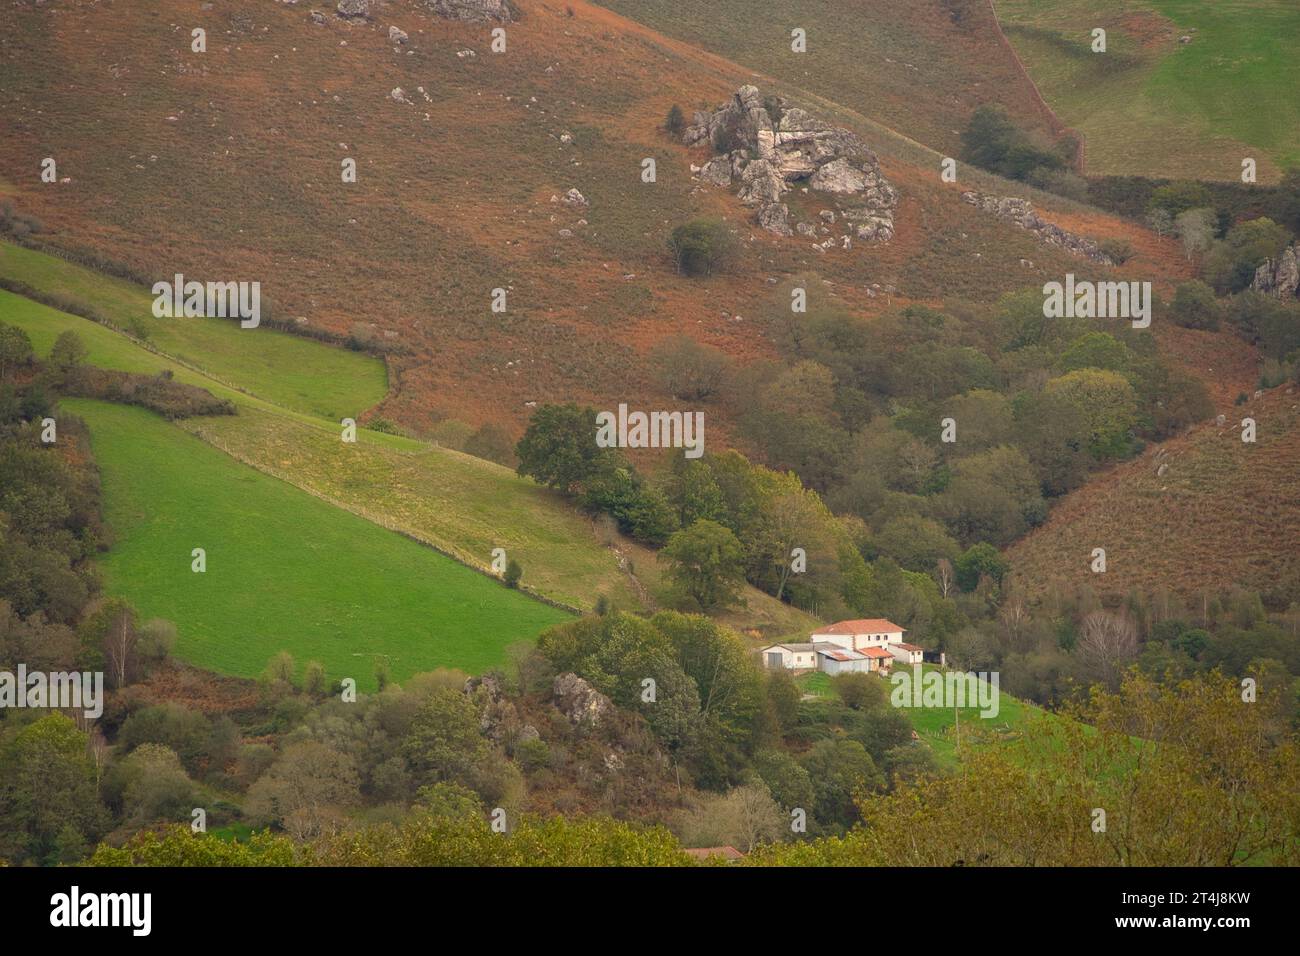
840,660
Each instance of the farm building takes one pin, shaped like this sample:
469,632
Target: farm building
857,634
907,653
832,659
866,645
792,657
880,658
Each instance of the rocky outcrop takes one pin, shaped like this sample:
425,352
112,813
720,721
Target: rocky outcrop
775,217
479,10
771,146
1020,212
579,701
1280,277
498,718
354,9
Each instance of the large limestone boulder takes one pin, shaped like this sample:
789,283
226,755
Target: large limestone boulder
717,171
761,183
838,176
775,217
771,145
498,717
579,701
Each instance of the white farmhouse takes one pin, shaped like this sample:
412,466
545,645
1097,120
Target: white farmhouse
860,634
864,645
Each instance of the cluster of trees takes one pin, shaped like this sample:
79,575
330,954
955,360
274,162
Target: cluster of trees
1228,254
697,728
718,751
423,839
1135,197
742,735
1149,774
49,501
956,427
993,142
559,450
1051,650
57,793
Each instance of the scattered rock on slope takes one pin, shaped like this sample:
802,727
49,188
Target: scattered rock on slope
770,144
1280,277
501,10
1019,211
354,9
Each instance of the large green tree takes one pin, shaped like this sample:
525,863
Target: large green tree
706,564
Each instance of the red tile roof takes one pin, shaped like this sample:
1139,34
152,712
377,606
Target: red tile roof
876,652
866,625
909,647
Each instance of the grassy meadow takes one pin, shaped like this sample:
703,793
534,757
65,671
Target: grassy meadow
285,571
297,373
1152,105
455,503
945,729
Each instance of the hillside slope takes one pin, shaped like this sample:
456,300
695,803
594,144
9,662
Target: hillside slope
284,571
166,171
460,505
1202,513
918,66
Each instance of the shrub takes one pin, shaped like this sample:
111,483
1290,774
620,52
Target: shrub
1176,198
1119,250
15,349
1195,307
701,247
159,393
1231,264
675,122
16,224
993,142
514,571
688,370
532,754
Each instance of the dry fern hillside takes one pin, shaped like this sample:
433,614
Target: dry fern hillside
464,163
